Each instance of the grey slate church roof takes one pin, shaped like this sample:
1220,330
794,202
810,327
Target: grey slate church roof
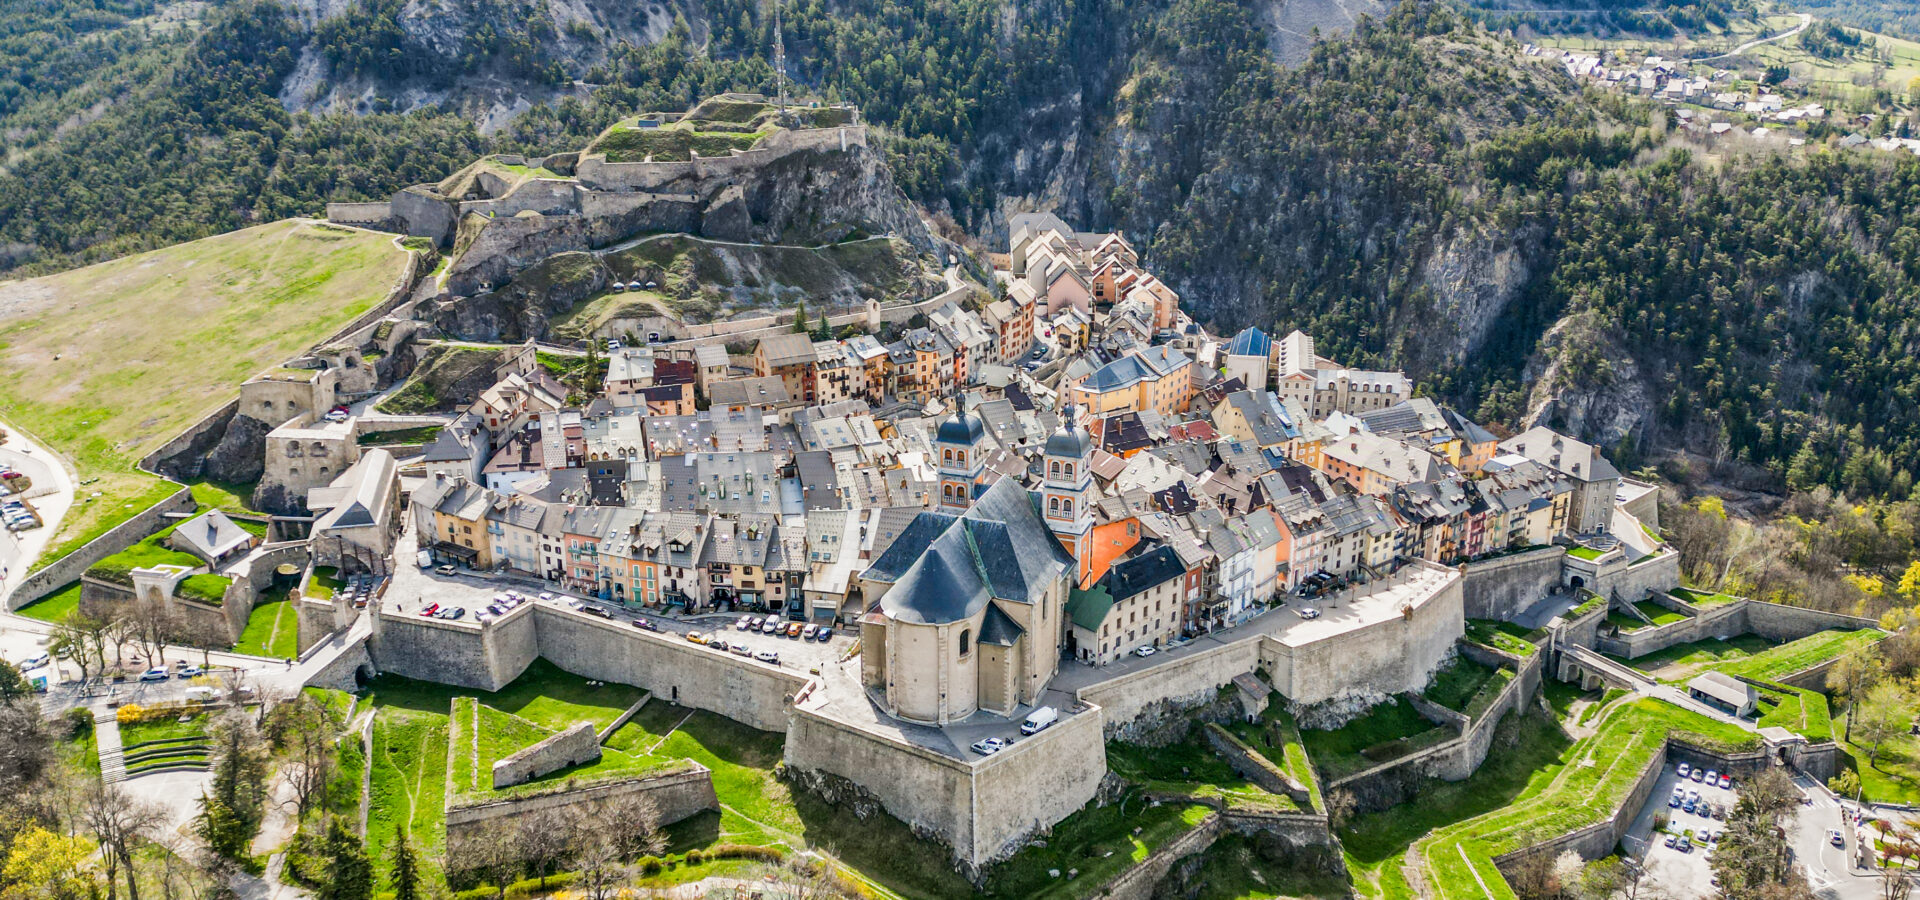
998,550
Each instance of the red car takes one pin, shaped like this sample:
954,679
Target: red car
429,611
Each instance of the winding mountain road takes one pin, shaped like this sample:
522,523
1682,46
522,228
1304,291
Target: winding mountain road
1805,20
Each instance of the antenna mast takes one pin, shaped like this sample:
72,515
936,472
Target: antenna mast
779,60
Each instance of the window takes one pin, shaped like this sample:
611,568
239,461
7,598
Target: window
1053,504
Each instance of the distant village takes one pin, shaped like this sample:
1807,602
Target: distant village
1703,98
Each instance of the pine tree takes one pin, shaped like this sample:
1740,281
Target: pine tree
349,872
405,879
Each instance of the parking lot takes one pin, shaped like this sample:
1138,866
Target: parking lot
1686,871
414,590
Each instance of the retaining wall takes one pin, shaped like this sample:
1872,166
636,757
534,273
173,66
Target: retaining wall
984,809
1503,588
677,794
461,653
69,568
1395,782
359,213
575,746
1140,882
1192,680
1599,839
752,693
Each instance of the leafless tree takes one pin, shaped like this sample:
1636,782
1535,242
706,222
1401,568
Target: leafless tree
153,625
810,880
305,728
485,854
1896,884
120,823
81,638
118,632
1341,806
634,821
544,837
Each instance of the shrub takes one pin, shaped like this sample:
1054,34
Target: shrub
79,722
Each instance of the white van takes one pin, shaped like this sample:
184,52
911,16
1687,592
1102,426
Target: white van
199,694
1041,718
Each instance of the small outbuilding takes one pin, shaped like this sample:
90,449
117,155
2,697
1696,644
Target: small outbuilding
1724,693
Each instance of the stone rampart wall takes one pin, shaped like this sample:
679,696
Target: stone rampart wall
1777,622
1504,587
1724,621
69,568
462,653
984,809
1390,656
1194,679
752,693
359,213
575,746
1599,839
1253,765
678,795
1140,881
595,172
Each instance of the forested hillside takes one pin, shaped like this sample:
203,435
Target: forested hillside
1417,193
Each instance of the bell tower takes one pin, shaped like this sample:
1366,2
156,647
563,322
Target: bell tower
1066,489
961,445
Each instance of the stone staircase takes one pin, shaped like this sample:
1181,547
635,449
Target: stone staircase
106,734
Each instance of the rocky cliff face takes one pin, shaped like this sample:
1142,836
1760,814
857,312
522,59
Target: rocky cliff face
1586,382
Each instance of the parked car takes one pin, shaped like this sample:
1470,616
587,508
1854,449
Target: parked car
793,629
741,650
1835,838
445,570
188,672
1671,840
768,656
35,662
1307,612
745,623
454,613
639,623
1713,778
1143,651
696,637
1688,806
1684,770
598,611
806,633
826,631
1676,798
770,626
1726,781
1697,775
154,674
430,610
989,746
719,644
1684,845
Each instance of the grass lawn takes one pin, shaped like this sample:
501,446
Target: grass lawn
760,809
1503,636
1388,731
1454,684
223,495
83,750
1528,750
229,306
146,553
273,628
204,588
325,580
1585,553
1659,614
1695,653
1779,662
1098,841
1702,599
483,735
409,777
1592,778
1894,777
54,607
1624,622
1803,712
132,736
